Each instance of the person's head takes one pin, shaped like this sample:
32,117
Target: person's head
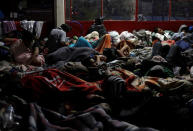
27,37
95,35
94,60
183,28
177,36
98,21
158,30
96,64
66,27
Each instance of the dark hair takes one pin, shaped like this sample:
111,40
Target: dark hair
66,27
185,29
156,29
111,54
27,36
99,21
86,61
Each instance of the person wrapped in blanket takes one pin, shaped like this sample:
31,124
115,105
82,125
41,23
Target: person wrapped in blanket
93,40
25,50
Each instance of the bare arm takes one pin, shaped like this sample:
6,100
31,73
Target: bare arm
33,59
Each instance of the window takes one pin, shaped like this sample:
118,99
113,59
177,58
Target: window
182,10
119,9
148,10
86,9
153,10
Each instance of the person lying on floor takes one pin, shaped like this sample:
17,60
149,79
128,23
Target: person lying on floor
25,50
93,41
68,54
92,37
160,33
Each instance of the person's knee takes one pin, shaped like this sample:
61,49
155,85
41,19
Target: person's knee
38,62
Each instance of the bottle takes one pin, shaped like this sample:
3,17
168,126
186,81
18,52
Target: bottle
8,119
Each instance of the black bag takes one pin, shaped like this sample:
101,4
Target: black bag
111,54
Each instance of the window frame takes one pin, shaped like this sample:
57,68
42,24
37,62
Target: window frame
136,13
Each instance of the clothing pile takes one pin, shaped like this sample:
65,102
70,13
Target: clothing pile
32,26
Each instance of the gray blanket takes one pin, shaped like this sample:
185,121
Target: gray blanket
68,54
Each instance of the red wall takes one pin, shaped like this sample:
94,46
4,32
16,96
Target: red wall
80,28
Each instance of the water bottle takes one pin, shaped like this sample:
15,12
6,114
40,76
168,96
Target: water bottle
8,119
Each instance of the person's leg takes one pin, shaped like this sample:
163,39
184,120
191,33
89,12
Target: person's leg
157,47
165,50
175,59
174,56
82,42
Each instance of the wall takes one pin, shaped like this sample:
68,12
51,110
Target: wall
80,28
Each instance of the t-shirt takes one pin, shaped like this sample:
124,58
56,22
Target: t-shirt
58,34
56,37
